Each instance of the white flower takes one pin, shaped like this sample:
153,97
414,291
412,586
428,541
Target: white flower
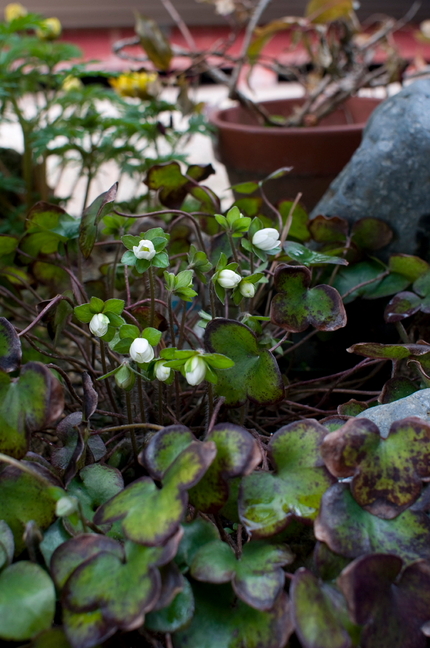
229,279
141,351
161,372
99,324
266,239
195,370
247,289
145,250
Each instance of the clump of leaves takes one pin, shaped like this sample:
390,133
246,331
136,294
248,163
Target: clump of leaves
163,475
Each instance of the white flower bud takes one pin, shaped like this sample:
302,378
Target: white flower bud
141,351
99,324
66,506
266,239
229,279
162,373
195,371
145,250
247,289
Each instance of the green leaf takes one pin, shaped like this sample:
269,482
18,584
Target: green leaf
410,266
245,187
10,347
52,638
221,621
237,454
150,515
316,616
122,590
300,225
154,42
255,374
329,229
387,473
83,313
390,604
96,305
27,404
24,497
27,601
371,233
129,331
359,273
196,534
269,501
95,485
308,257
164,448
91,218
152,335
391,351
296,306
257,576
114,306
76,551
351,531
171,184
176,615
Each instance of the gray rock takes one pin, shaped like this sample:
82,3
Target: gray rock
417,404
388,177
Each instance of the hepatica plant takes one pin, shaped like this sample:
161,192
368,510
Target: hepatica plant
175,469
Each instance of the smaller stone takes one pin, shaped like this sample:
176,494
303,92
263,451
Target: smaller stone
417,404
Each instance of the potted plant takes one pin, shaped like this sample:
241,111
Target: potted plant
315,135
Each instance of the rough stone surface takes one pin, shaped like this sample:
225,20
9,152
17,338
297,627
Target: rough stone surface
417,404
389,175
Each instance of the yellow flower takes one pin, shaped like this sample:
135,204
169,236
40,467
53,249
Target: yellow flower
13,11
143,85
50,29
71,83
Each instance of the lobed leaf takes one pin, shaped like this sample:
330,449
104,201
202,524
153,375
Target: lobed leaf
269,501
296,306
255,374
387,473
351,531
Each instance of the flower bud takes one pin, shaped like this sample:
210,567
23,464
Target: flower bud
66,506
229,279
247,289
266,239
125,378
13,11
141,351
99,325
195,371
145,250
50,29
162,373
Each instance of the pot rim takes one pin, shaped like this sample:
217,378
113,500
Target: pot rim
216,118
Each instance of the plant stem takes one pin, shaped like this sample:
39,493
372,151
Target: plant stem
210,393
171,321
107,383
233,248
141,399
130,420
152,293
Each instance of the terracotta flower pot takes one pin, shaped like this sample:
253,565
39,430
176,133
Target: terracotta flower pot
317,154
